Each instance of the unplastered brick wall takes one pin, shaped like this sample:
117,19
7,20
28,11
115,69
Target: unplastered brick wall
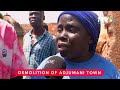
113,43
102,39
52,28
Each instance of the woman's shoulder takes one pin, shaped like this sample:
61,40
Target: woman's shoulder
109,65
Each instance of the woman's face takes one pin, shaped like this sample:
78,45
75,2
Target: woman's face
72,38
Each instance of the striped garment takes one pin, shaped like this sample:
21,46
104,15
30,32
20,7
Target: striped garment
44,47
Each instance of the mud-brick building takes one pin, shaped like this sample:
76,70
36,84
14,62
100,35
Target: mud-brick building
112,49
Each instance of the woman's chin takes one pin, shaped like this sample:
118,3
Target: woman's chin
63,52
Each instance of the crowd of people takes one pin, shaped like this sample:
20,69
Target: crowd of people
75,42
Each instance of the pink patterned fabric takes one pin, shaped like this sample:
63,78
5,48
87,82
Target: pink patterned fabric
11,54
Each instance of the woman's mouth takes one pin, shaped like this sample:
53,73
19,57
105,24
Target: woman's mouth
62,46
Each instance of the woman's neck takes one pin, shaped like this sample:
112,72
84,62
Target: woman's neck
82,58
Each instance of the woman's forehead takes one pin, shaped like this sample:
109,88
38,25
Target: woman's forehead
67,17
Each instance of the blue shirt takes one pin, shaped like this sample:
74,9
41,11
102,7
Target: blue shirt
43,48
96,62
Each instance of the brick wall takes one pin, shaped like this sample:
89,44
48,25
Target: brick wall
52,28
112,50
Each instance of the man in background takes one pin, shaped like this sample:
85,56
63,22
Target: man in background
38,43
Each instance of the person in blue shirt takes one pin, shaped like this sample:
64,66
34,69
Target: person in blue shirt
77,37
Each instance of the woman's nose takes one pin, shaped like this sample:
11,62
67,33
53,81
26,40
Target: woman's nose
63,36
63,33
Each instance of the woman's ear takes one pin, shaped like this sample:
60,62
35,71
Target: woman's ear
90,40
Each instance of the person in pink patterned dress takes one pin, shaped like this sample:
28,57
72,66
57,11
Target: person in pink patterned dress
11,54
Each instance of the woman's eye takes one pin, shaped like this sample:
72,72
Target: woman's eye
73,30
59,30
